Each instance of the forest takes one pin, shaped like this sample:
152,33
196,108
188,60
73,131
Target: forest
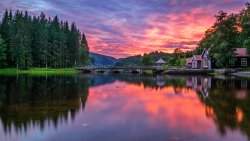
38,41
230,31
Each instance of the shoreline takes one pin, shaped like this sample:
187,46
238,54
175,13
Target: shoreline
39,71
241,74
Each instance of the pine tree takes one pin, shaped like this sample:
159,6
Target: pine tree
84,51
5,33
74,38
66,47
40,41
2,53
43,41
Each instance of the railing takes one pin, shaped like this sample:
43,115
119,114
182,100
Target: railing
120,67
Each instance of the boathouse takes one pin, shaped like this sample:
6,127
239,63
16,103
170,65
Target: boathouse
242,59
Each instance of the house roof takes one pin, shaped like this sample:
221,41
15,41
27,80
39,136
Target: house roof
189,60
197,57
160,61
241,52
205,51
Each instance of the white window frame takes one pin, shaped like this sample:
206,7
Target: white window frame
243,62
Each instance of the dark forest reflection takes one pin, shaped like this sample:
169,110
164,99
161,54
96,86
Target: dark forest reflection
28,100
53,100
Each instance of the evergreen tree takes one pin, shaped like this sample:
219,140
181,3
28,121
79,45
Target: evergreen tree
2,53
84,51
5,33
66,52
41,42
74,45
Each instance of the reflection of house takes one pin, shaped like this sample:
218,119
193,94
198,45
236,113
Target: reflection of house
199,84
199,61
241,94
189,83
242,58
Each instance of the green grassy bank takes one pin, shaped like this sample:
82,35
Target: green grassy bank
38,71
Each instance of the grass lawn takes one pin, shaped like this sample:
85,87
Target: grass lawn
38,71
215,73
148,72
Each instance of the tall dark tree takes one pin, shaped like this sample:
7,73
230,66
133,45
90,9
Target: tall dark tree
74,45
245,27
222,39
2,53
41,42
5,33
84,51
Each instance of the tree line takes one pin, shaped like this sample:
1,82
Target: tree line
37,41
230,31
177,58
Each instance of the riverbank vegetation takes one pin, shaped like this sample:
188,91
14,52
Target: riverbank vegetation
38,71
37,41
230,31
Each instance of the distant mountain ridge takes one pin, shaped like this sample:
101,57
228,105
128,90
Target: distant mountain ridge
102,60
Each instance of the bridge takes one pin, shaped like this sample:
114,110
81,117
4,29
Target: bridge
118,69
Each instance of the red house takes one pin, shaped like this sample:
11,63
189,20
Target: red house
242,59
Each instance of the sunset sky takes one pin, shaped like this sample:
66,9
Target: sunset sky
122,28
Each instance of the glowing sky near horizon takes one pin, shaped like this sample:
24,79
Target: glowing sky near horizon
122,28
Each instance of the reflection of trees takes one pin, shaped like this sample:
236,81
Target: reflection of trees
29,100
228,105
148,81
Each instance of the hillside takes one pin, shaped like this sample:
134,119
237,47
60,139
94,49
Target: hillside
132,60
136,60
102,60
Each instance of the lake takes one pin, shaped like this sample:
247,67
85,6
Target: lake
124,107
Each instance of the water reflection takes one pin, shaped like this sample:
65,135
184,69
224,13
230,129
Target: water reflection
26,100
228,105
124,107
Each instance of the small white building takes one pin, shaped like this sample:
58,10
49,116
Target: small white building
160,62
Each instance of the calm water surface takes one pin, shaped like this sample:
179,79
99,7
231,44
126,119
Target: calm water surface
124,108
